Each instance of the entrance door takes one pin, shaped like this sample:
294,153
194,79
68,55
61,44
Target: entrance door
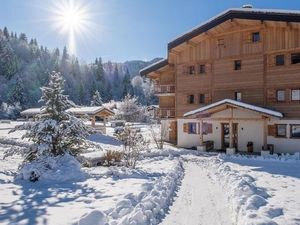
225,135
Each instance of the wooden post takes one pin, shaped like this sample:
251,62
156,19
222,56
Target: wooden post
231,130
93,120
265,133
201,132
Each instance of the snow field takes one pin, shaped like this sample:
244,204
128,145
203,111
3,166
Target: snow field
257,195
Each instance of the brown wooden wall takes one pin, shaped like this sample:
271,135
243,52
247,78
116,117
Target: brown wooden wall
219,47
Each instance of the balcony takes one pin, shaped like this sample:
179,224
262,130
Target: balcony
165,90
167,113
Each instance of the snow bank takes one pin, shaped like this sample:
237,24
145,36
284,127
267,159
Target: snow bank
150,205
282,158
242,191
95,217
58,169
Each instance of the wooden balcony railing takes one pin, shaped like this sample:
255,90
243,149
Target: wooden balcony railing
165,89
167,112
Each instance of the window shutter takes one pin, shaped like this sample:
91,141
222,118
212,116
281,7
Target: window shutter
272,130
185,69
271,60
207,99
271,95
209,128
248,37
288,95
185,127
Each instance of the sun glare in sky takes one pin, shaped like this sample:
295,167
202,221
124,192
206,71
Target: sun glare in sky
71,18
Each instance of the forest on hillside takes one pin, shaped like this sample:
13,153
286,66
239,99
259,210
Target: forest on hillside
25,66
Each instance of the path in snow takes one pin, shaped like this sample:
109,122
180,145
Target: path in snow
200,201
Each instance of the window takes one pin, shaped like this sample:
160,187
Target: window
280,95
280,130
202,69
201,98
238,96
295,58
255,37
191,70
296,95
295,131
279,60
237,64
190,99
192,128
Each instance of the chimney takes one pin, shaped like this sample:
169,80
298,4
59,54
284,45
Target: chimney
247,6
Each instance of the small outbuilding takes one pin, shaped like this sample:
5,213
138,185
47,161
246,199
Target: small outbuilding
93,112
31,113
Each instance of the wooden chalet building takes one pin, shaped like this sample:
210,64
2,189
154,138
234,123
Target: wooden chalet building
233,81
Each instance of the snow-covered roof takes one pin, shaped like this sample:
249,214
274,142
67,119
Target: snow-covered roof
153,67
31,111
87,110
238,104
238,13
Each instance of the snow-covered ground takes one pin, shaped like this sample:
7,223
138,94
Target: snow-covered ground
172,186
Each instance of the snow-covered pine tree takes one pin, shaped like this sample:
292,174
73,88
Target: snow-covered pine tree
56,132
97,100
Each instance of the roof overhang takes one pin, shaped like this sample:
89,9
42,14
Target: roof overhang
154,67
206,111
250,14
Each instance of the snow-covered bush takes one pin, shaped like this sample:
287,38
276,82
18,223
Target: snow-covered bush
158,135
133,145
131,111
56,132
10,111
112,157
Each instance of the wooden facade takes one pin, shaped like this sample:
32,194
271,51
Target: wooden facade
237,56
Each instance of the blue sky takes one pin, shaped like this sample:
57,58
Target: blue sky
122,29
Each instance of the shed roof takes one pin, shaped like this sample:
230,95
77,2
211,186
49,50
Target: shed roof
88,110
153,67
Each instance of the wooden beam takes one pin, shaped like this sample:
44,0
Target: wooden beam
172,51
231,129
191,43
201,132
265,133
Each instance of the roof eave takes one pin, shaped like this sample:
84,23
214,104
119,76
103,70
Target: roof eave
234,14
154,67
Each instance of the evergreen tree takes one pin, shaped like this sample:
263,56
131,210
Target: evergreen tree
18,93
97,100
56,132
8,61
127,88
6,33
23,37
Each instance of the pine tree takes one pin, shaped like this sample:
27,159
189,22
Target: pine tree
6,33
8,61
127,88
23,37
18,93
56,132
97,100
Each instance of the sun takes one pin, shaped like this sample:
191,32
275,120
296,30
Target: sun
71,18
